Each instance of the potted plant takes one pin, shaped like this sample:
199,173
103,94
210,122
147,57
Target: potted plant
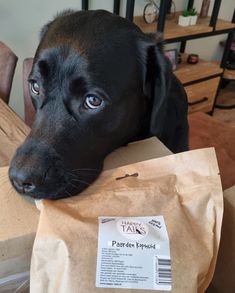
184,18
193,16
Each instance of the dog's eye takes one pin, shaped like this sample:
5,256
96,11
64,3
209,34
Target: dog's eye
92,102
34,87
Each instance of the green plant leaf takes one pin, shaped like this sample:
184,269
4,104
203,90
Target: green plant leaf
192,12
185,13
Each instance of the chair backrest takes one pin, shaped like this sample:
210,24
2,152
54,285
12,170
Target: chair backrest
29,111
8,62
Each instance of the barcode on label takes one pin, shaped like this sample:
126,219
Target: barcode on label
163,276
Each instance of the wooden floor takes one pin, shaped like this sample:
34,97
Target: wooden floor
226,97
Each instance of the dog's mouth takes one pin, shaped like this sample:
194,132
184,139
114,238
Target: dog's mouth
38,171
56,184
73,182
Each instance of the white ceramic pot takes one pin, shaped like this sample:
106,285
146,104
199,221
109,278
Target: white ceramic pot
184,20
193,19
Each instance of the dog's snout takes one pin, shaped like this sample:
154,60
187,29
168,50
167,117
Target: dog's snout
36,170
22,186
24,180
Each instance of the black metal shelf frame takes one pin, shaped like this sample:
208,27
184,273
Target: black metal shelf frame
116,6
162,18
163,12
197,36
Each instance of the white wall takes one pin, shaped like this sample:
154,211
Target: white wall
209,48
21,21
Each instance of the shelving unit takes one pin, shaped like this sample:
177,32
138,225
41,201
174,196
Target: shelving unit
174,32
229,74
192,73
201,81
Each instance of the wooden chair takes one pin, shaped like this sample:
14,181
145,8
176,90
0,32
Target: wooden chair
8,62
29,111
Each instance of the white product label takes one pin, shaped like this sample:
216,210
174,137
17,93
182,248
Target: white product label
133,253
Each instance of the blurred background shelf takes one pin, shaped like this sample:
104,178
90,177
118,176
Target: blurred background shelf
229,74
174,31
188,73
201,81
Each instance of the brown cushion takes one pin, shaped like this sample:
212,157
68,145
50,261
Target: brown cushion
206,131
8,62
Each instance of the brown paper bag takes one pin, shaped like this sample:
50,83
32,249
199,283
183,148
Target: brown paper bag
184,188
223,280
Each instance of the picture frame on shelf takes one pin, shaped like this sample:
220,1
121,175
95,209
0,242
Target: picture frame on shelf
172,55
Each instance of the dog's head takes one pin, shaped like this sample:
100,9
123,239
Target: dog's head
95,80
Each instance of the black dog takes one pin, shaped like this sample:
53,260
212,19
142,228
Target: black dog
97,83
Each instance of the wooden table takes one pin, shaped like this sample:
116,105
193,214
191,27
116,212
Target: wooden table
12,133
18,217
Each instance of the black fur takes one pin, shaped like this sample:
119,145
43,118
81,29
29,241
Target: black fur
94,53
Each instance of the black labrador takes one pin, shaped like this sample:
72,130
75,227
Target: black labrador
97,83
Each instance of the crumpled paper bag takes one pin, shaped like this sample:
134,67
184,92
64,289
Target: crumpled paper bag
223,280
184,188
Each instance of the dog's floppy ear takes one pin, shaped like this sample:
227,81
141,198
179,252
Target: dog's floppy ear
156,76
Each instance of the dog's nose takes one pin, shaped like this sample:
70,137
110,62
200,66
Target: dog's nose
23,180
22,186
